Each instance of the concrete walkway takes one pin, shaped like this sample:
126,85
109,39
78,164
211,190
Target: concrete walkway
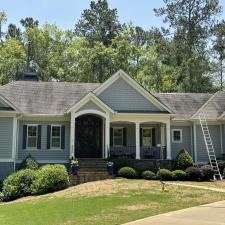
210,214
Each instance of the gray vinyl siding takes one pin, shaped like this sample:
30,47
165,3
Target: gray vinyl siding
186,141
121,96
202,155
44,153
6,168
90,105
130,132
6,134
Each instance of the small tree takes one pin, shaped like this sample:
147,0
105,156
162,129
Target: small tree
183,160
29,163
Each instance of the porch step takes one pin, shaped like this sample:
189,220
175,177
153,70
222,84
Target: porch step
84,177
92,165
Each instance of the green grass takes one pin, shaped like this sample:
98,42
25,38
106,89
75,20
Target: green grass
103,203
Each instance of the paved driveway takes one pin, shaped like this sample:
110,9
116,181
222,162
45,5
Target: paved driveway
210,214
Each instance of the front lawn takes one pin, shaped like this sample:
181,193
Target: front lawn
103,203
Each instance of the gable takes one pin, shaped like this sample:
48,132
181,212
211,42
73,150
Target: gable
90,105
5,107
121,96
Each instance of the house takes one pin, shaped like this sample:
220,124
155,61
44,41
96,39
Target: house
54,121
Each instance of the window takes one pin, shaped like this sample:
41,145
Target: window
32,136
177,135
56,137
146,137
117,136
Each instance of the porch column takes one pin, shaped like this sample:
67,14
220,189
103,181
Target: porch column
72,135
138,155
163,141
107,131
168,141
195,142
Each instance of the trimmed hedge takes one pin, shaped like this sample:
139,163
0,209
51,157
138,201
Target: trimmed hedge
221,165
148,175
179,175
29,163
128,172
165,174
183,160
18,184
50,178
193,173
207,173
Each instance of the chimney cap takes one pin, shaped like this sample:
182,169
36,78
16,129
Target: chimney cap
30,76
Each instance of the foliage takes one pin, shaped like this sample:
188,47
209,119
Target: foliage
50,178
147,175
179,175
221,165
207,173
29,163
165,174
74,162
128,172
183,160
193,173
18,184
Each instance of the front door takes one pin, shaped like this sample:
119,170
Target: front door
88,142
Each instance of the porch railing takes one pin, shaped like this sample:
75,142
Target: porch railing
129,152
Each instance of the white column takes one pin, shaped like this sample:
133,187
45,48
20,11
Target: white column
195,142
138,155
163,141
221,138
107,133
14,141
168,141
72,135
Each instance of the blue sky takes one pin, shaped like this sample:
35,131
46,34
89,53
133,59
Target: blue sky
65,13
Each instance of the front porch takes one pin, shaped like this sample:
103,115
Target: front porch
109,137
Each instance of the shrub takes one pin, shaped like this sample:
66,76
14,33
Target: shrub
147,175
29,163
221,165
207,173
1,197
179,175
183,160
193,173
18,184
128,172
50,178
165,174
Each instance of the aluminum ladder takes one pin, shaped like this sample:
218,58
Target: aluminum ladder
209,146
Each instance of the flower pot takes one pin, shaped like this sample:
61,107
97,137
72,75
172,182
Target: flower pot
110,170
75,169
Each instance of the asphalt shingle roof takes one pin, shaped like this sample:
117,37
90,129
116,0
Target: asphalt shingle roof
184,105
45,97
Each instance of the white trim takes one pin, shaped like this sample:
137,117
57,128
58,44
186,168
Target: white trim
168,141
181,136
86,99
221,138
122,137
137,142
90,111
14,141
32,148
135,85
55,148
47,161
195,143
7,160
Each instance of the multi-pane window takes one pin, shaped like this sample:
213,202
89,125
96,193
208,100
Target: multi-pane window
177,135
117,136
32,136
56,137
146,137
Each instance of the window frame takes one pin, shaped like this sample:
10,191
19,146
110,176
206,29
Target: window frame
32,125
181,136
146,128
114,128
60,137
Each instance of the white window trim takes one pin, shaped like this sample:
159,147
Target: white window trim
54,148
32,148
146,128
181,136
122,136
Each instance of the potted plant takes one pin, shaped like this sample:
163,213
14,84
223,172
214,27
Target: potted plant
110,166
74,165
